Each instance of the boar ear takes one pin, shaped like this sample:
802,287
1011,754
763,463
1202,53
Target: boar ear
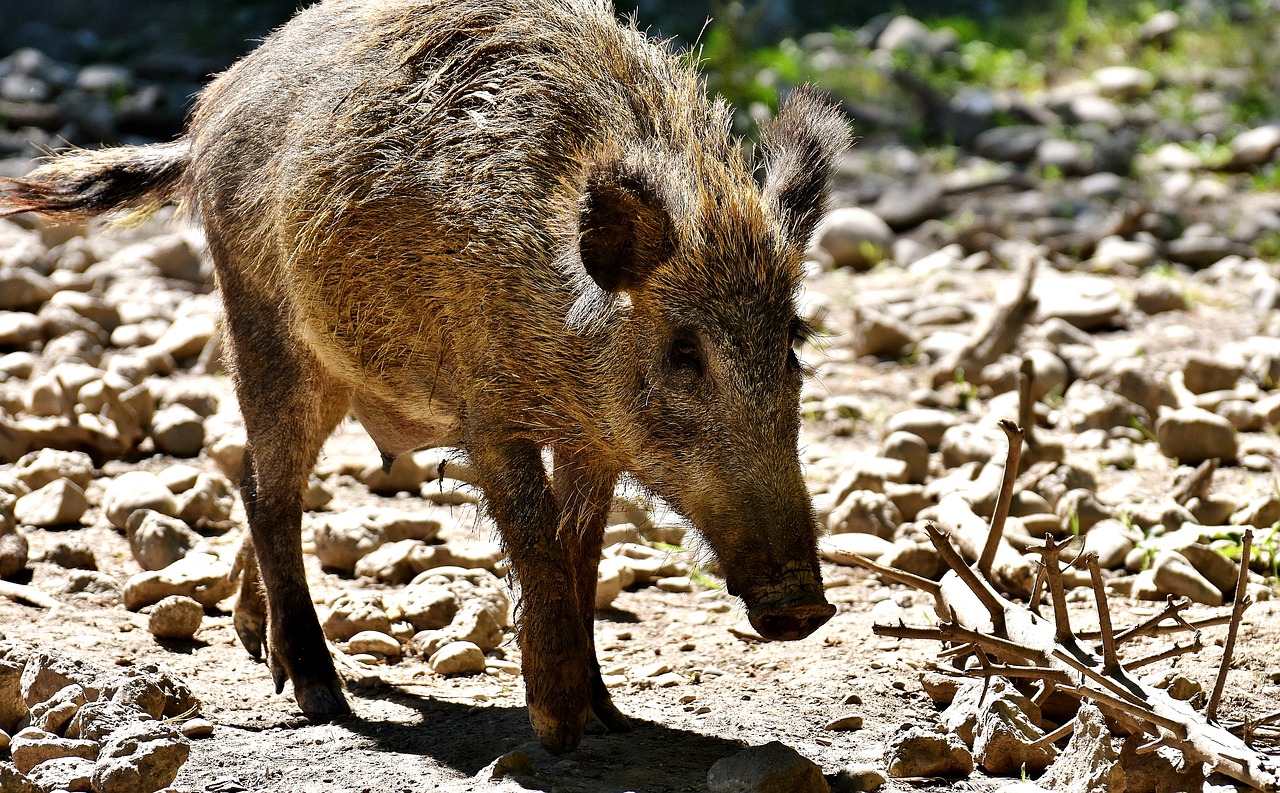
625,225
800,150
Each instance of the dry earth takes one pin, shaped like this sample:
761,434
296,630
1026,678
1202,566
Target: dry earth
414,730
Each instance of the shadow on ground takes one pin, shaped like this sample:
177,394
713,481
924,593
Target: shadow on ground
416,742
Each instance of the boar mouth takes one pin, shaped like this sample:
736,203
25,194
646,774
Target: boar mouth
790,609
788,623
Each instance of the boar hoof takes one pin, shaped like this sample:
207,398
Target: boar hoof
609,717
557,735
250,627
320,701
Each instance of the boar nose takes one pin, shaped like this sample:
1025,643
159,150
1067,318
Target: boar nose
791,621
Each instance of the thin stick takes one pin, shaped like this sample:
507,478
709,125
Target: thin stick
1004,500
979,586
1033,603
1026,406
1124,707
1165,630
1110,661
1195,645
1101,679
1033,672
1057,596
1148,748
1172,608
1237,613
1055,736
1042,696
950,632
897,576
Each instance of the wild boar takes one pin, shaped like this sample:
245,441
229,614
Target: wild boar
508,226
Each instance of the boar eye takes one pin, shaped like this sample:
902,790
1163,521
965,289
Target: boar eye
801,332
685,354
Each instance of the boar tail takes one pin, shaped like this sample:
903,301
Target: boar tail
80,183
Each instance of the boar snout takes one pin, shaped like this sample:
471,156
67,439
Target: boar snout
790,608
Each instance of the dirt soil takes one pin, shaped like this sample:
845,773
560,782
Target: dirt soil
414,730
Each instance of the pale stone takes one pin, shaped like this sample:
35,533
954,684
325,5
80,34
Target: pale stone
458,658
761,769
175,617
133,491
59,503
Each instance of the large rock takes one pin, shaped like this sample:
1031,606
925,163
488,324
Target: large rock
458,658
1006,742
929,424
158,541
477,623
208,502
423,606
908,204
399,562
1016,144
133,491
1088,303
854,237
1192,435
14,551
772,768
202,577
13,709
140,758
1124,82
175,617
1090,763
44,466
915,751
63,773
357,612
1204,372
178,430
1257,146
23,290
32,746
59,503
1174,575
344,539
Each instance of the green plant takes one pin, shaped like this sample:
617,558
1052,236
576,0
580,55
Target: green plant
1266,179
1268,246
966,392
1266,546
1144,429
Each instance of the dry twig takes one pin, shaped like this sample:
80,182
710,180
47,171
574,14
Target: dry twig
1012,640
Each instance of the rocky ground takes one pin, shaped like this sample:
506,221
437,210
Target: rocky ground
1127,267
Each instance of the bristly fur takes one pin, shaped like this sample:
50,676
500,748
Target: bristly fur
505,225
82,184
801,146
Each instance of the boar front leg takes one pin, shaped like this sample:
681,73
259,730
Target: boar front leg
584,493
556,649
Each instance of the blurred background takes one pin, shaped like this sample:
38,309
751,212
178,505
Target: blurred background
1082,104
926,71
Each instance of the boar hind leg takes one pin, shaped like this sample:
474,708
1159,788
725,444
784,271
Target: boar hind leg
555,646
250,615
584,494
290,405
